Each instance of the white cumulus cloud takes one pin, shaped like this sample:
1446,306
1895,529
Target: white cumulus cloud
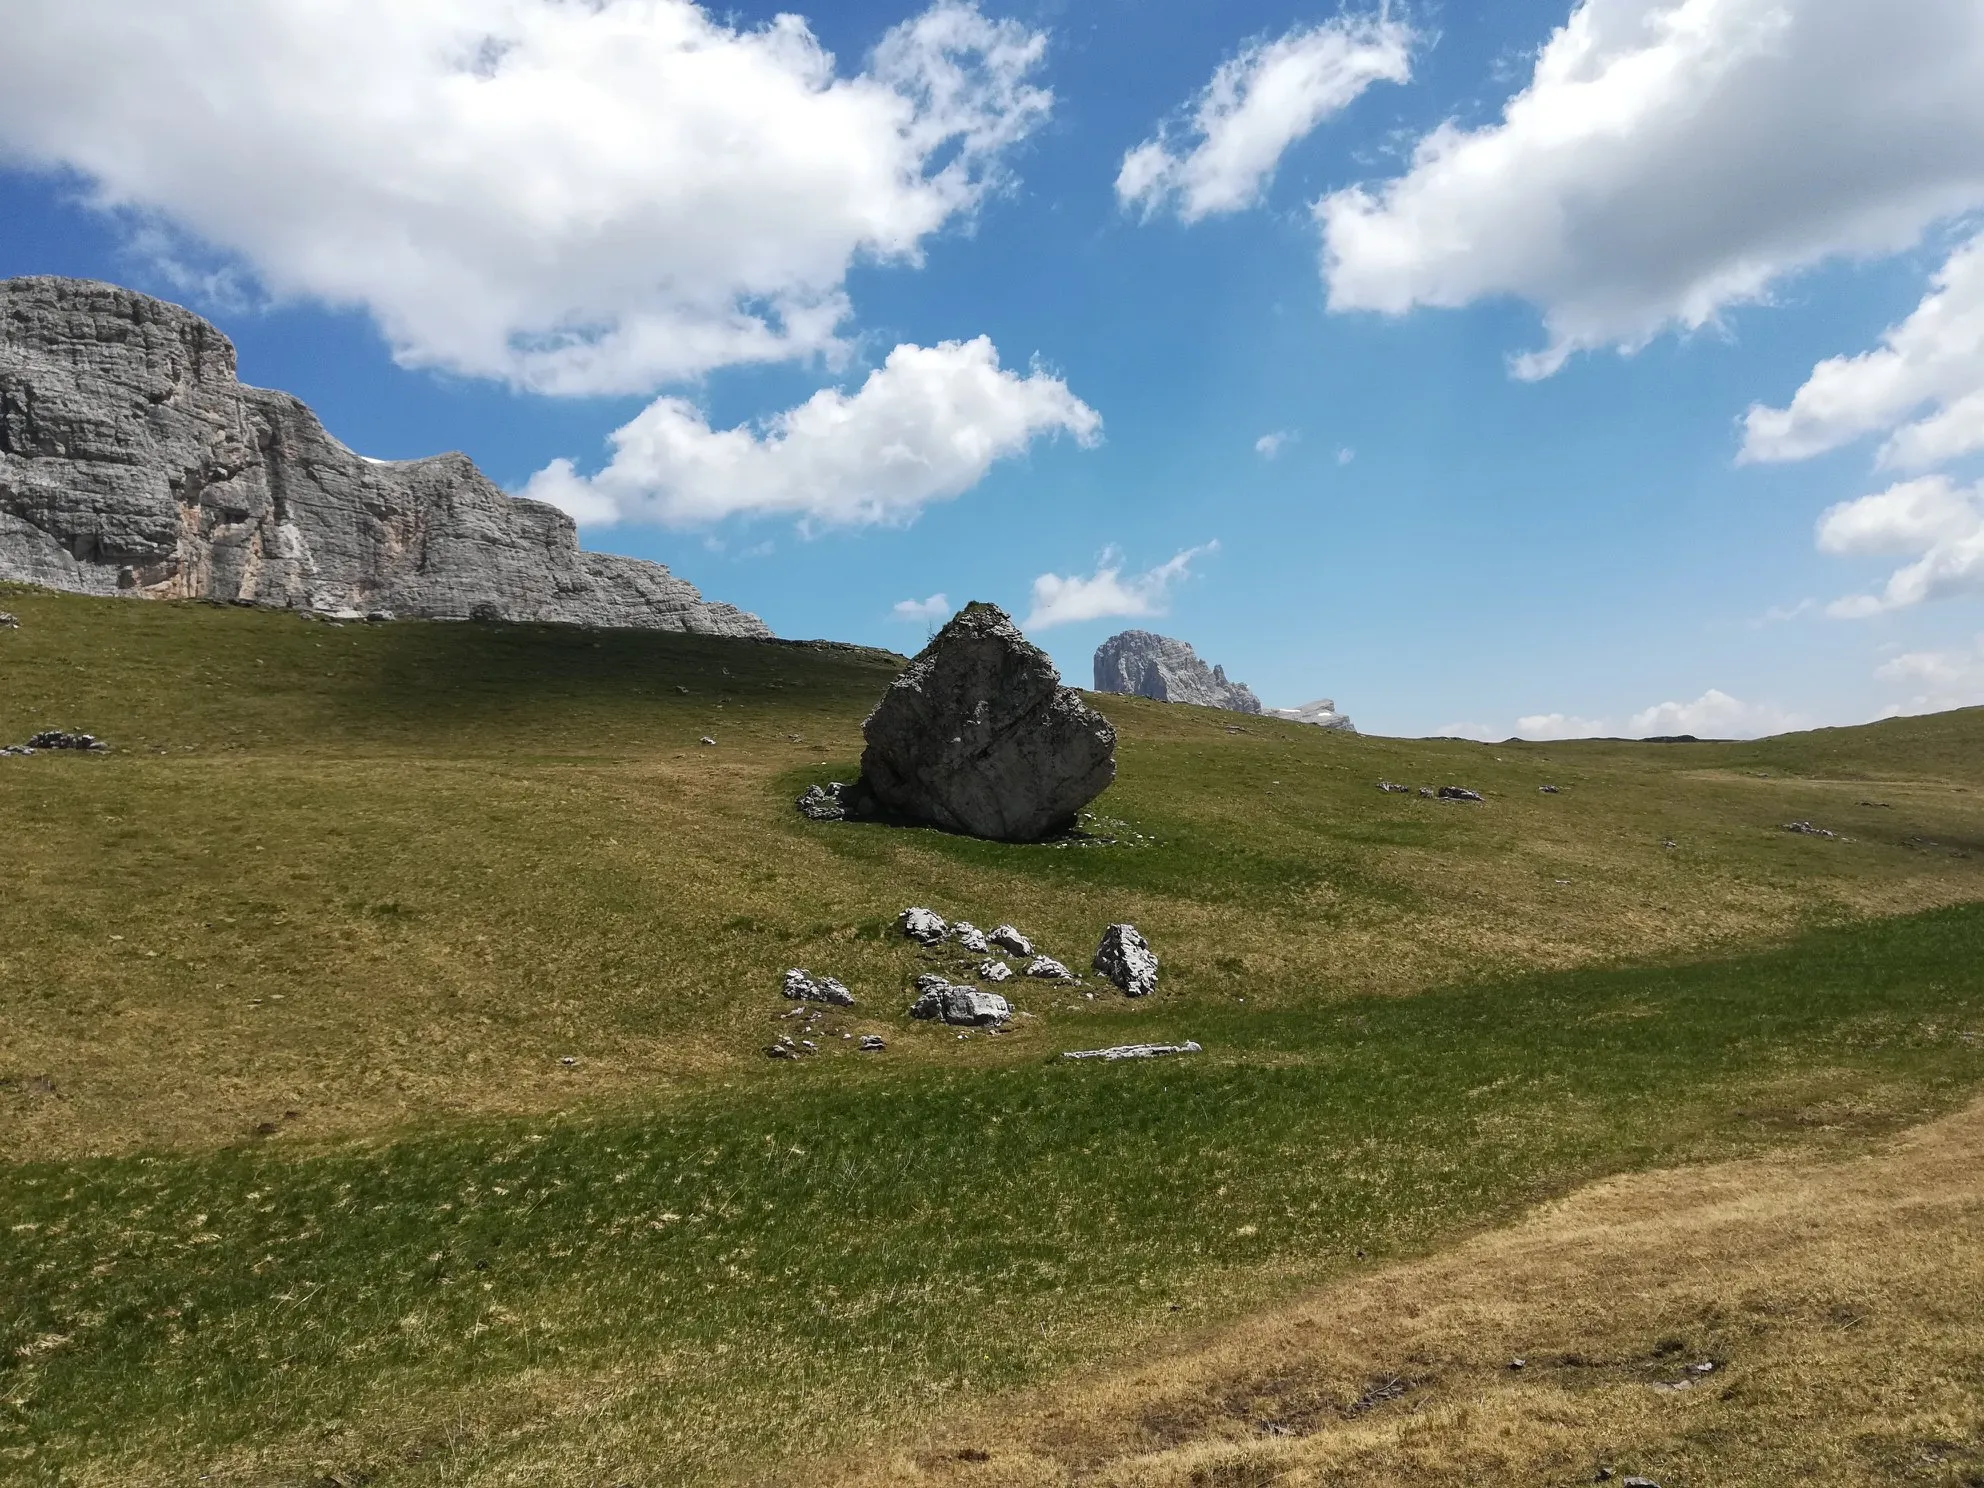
1924,387
1257,105
1715,715
1270,445
1106,592
579,198
925,426
1931,517
923,611
1669,158
1938,679
1558,726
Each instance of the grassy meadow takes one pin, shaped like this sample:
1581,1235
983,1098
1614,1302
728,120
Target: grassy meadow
383,1095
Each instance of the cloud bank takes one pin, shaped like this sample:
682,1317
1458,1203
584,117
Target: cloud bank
1671,158
1939,522
1106,592
577,198
923,611
1941,679
1257,105
1713,715
927,425
1924,387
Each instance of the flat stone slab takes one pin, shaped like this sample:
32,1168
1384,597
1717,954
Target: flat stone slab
1134,1051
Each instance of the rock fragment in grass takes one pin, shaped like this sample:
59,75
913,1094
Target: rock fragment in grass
1133,1051
873,1043
969,937
1807,829
959,1005
1392,788
1549,790
59,739
922,926
1458,793
992,969
9,622
1006,938
803,986
825,803
1126,958
706,739
1048,970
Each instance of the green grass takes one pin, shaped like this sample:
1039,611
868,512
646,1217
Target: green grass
296,1183
760,1276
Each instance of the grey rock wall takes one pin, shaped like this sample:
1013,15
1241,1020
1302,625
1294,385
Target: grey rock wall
1141,664
133,462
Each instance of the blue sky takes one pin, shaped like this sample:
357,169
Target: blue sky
1412,362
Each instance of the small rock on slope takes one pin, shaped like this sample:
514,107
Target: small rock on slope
1126,959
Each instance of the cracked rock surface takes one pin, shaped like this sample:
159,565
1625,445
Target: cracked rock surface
979,736
133,462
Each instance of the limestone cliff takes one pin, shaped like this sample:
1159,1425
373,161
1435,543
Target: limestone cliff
1154,666
132,461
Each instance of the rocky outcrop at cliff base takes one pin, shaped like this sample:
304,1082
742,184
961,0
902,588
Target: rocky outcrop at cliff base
133,462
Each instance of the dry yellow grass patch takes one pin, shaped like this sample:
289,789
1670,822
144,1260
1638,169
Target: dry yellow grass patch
1841,1305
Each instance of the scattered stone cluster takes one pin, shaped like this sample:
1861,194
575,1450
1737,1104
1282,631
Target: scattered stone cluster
57,739
9,622
1808,829
1123,956
802,986
1444,793
810,992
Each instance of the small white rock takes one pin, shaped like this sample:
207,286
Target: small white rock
922,925
1008,939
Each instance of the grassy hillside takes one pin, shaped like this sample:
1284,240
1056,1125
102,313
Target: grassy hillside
381,1030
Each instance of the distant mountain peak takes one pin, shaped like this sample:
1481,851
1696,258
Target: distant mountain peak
1142,664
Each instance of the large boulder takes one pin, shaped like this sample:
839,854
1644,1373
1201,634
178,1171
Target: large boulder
1141,664
132,461
979,736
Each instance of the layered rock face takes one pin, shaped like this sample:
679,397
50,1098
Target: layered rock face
1154,666
979,736
132,461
